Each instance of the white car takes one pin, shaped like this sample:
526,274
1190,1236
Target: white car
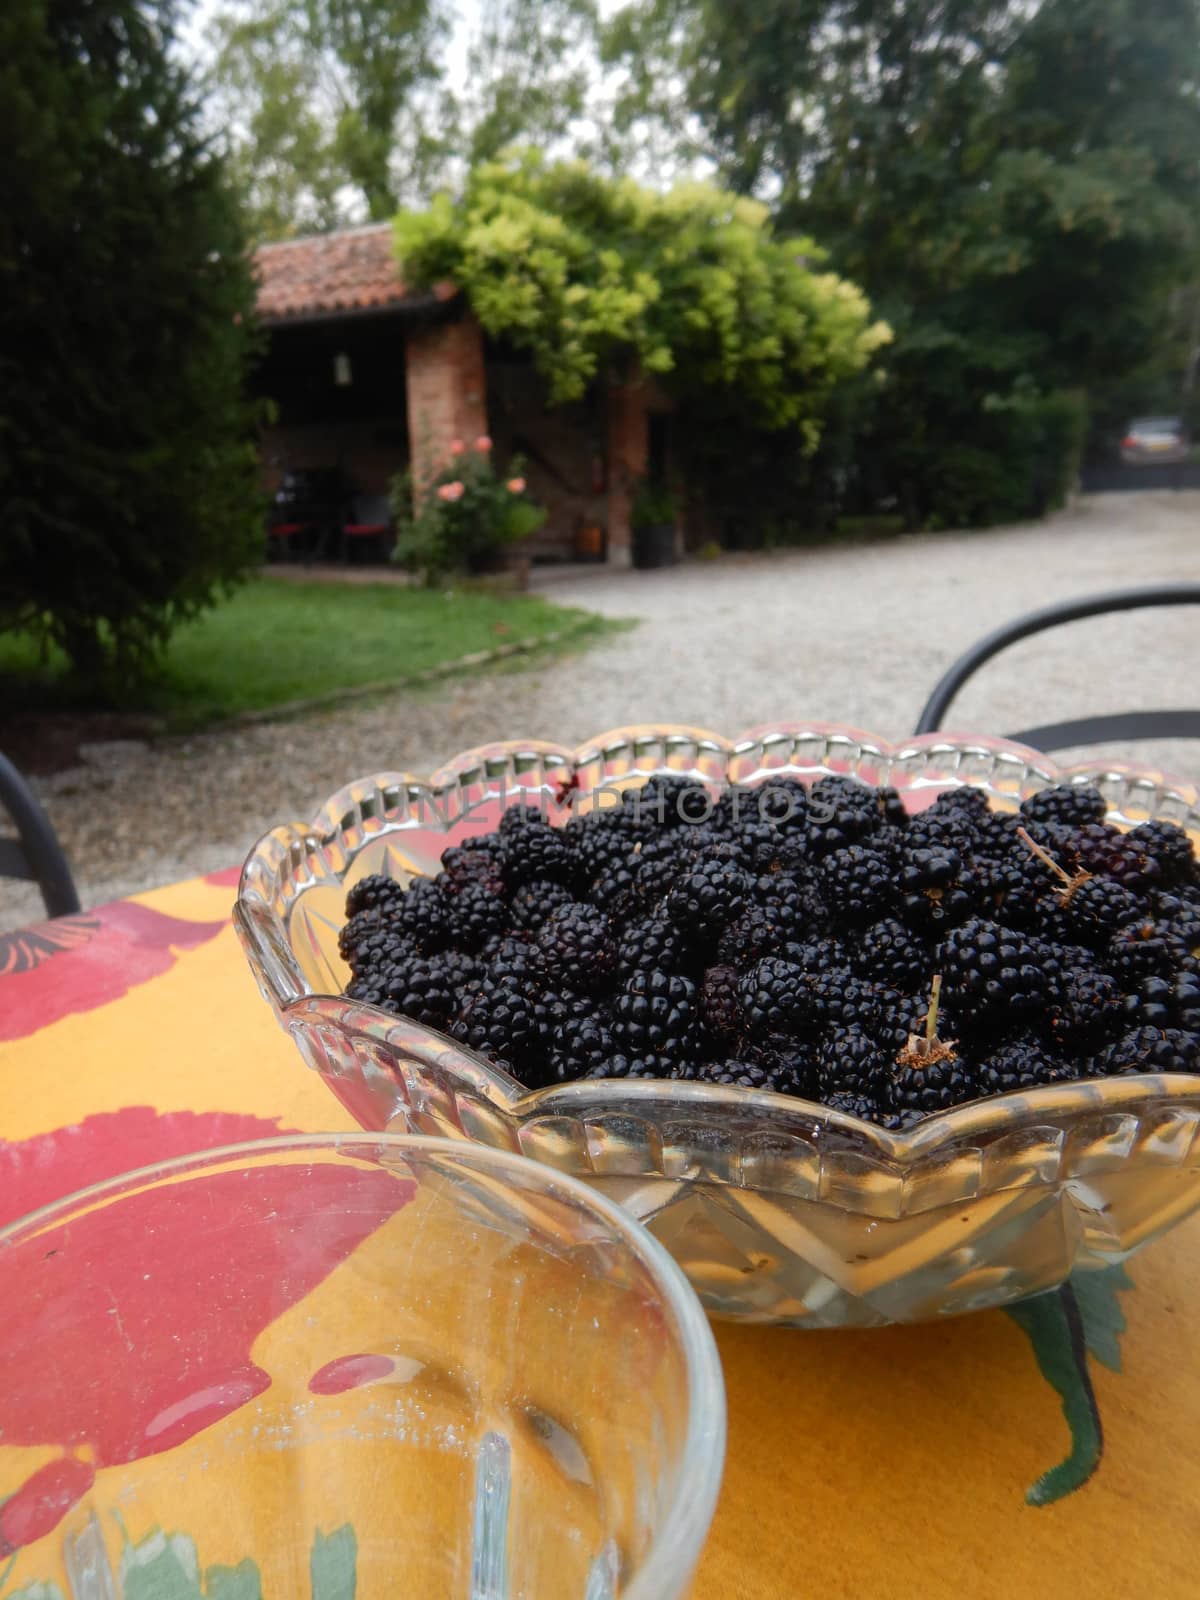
1149,439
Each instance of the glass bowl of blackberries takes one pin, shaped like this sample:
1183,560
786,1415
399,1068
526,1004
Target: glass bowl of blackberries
862,1032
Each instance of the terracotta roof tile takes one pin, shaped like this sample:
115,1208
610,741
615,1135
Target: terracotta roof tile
354,270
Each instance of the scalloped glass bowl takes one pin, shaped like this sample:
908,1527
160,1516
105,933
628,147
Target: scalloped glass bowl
777,1209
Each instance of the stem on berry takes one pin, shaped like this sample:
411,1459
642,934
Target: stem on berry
1069,883
931,1014
926,1049
1043,855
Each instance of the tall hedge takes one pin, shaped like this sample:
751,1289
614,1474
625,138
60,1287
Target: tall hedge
127,468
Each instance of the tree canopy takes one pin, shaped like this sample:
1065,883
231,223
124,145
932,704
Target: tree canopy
339,109
1015,187
127,469
592,274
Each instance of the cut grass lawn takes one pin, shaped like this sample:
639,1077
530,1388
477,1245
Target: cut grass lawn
275,642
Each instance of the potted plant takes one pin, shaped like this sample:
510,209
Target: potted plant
469,517
653,526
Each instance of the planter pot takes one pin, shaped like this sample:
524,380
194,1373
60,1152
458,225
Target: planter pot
589,542
654,546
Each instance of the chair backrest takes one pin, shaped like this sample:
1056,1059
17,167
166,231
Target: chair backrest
1108,728
35,853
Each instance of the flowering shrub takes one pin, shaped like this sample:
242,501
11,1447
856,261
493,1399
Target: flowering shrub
467,514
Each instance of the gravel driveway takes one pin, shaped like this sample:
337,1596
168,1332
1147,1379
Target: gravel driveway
855,634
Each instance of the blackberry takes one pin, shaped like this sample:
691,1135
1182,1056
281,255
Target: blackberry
621,1065
720,1003
965,803
514,1025
657,1014
822,954
368,989
868,1109
615,890
1139,950
1186,1001
472,864
932,895
654,943
577,949
423,915
596,843
476,915
933,1087
1021,1063
992,974
1068,805
533,902
375,892
582,1046
790,1064
423,990
857,883
1150,1004
1092,909
890,804
793,903
518,816
994,837
363,940
1086,1008
462,972
756,933
736,807
1168,846
1180,924
708,896
499,1021
851,1061
669,800
776,997
732,1073
776,806
510,959
1100,847
841,811
533,849
1150,1050
843,1002
768,849
890,953
1165,1002
657,863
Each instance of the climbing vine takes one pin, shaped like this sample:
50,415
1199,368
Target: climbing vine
595,276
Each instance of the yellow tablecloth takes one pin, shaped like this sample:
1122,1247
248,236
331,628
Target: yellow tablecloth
1053,1451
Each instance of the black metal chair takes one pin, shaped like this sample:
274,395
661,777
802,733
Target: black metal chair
35,854
1111,728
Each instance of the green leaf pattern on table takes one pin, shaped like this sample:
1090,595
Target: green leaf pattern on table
165,1566
1082,1318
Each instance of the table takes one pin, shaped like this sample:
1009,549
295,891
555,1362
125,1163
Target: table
1053,1450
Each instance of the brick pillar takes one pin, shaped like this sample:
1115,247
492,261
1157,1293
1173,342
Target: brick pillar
628,459
447,394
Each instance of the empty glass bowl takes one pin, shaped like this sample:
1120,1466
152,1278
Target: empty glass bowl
351,1365
778,1209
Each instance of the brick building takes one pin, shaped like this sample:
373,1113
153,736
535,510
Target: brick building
370,376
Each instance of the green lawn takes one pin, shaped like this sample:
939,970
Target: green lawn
277,641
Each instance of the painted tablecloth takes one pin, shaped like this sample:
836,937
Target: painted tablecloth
1053,1450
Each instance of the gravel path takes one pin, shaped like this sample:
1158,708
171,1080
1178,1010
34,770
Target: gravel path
857,635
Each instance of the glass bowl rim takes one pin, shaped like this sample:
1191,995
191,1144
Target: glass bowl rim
685,1524
971,1120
